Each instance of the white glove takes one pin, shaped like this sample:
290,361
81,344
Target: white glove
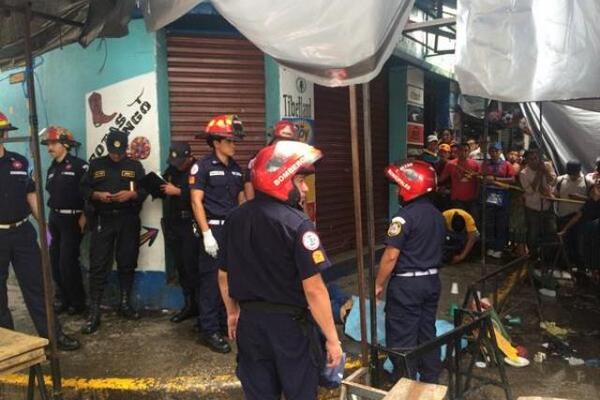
210,243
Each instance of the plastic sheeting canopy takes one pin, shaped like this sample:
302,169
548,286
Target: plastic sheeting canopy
528,50
330,42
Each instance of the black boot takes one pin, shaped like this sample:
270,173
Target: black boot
216,342
125,309
92,323
189,310
67,343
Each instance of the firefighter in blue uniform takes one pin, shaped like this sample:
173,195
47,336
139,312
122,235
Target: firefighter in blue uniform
66,219
180,229
412,257
18,241
271,283
111,185
216,186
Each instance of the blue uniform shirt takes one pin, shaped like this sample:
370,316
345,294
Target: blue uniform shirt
268,249
220,183
15,183
418,230
62,183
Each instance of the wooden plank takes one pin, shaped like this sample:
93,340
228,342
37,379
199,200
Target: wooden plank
406,389
364,391
15,343
23,365
21,358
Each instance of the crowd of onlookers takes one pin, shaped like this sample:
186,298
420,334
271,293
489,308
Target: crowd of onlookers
519,199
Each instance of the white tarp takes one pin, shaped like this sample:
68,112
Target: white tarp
330,42
528,50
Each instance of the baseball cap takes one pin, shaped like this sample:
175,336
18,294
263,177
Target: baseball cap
116,142
432,138
496,146
178,153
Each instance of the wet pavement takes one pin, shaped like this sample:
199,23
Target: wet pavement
155,359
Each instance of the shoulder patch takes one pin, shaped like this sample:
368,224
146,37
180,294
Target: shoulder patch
99,174
310,240
194,169
85,167
395,227
318,256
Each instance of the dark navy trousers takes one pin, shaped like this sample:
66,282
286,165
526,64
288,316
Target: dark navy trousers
211,311
64,254
275,358
19,247
410,312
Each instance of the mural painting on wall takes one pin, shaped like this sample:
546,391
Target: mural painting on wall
297,105
131,106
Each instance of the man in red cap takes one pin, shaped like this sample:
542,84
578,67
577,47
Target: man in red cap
217,188
66,220
18,241
412,257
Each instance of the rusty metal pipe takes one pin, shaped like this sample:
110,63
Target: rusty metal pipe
37,176
360,260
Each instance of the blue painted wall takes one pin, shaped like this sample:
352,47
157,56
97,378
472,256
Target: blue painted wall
63,77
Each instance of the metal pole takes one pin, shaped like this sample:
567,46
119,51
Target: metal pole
360,260
37,176
486,135
368,152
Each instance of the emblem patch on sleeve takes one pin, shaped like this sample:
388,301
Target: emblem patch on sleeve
311,241
396,226
318,256
194,169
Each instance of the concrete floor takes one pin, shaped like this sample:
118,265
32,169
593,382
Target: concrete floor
155,359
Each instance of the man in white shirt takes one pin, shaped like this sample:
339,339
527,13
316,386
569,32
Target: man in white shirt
571,185
538,180
593,177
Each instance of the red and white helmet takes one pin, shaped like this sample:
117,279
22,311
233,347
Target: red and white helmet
275,166
414,178
227,126
5,124
58,134
285,130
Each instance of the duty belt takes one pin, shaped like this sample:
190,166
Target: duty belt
119,211
13,225
431,271
66,211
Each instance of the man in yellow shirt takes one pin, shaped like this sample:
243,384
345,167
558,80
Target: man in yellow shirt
461,235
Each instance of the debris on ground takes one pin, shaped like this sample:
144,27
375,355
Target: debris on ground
553,329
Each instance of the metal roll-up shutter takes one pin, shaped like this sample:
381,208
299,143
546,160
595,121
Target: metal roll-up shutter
209,76
335,207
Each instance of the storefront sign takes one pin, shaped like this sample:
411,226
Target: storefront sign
296,103
130,106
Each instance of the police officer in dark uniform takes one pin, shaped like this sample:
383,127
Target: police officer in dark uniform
181,231
282,130
112,187
66,220
413,256
18,241
270,281
216,189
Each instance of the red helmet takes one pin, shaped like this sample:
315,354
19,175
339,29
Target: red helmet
58,134
286,130
275,166
414,178
5,125
225,126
